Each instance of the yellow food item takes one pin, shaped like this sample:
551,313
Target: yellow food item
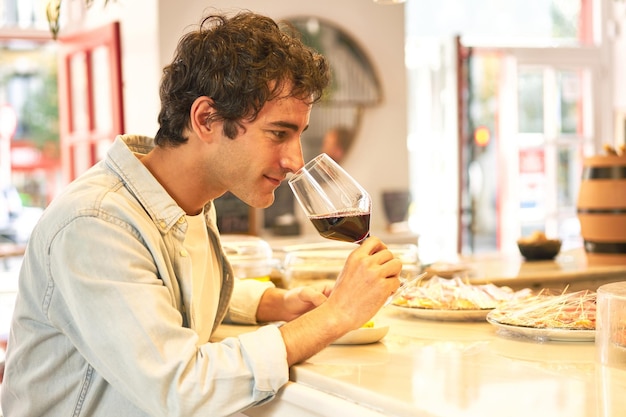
463,304
535,237
369,324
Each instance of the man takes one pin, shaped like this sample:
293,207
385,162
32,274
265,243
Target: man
124,279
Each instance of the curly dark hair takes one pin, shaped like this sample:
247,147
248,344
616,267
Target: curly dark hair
239,62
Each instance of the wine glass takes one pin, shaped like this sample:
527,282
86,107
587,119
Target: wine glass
336,204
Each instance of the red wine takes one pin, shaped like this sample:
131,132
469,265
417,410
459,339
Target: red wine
348,227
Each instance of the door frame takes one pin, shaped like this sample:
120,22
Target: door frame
86,141
600,130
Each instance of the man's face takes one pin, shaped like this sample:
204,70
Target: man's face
259,158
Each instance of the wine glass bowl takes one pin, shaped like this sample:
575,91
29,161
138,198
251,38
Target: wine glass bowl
335,203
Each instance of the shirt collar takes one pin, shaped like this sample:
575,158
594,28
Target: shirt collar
122,159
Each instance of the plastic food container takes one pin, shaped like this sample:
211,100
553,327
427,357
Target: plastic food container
312,267
322,265
250,256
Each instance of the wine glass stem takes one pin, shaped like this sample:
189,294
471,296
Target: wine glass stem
402,287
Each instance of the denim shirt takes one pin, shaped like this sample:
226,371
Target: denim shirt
101,323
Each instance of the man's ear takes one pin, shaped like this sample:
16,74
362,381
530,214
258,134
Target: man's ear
200,115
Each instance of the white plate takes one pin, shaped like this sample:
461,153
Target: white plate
363,336
443,315
562,335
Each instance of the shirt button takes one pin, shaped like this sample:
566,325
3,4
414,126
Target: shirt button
162,223
183,253
181,220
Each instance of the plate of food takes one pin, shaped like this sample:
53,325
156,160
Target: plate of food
369,333
563,317
452,299
443,314
556,334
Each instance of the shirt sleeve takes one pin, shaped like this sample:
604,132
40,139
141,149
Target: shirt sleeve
265,352
245,300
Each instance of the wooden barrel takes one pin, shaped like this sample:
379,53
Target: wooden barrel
602,208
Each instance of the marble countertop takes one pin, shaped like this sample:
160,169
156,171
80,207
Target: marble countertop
438,368
455,368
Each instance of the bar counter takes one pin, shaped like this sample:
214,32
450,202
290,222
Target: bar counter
572,270
442,368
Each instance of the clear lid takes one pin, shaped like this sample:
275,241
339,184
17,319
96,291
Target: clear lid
323,260
250,256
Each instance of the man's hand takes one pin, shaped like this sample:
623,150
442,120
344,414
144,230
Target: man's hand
300,300
286,305
369,276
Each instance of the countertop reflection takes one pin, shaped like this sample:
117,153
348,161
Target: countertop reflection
437,368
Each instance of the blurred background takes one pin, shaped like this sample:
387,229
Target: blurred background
478,114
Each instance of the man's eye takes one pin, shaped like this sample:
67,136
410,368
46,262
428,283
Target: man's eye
279,134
